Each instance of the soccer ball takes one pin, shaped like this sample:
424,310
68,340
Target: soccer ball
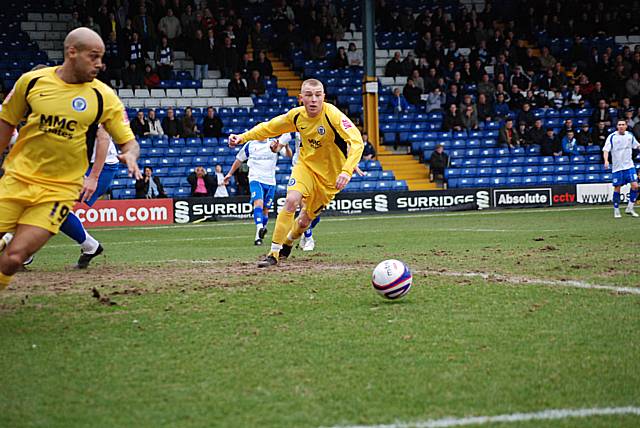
392,279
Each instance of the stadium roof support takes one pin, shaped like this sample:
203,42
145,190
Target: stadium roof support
370,82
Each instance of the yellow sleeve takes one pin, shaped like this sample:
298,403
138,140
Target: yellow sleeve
273,128
115,118
351,135
15,104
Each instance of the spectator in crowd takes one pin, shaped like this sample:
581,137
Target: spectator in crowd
155,127
200,54
574,99
599,134
523,130
508,136
259,40
566,127
452,119
394,66
521,79
189,23
469,118
336,28
418,80
526,115
140,126
171,125
255,84
485,109
369,152
164,58
133,77
228,59
438,162
236,87
570,145
212,125
289,41
151,78
341,60
75,21
408,64
632,87
399,103
202,184
221,189
189,126
536,134
263,65
354,56
584,136
453,96
501,107
486,87
241,36
149,186
435,100
317,50
137,54
551,146
558,100
113,59
144,26
411,92
170,27
546,60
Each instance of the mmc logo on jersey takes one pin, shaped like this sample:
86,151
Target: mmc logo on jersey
316,144
58,126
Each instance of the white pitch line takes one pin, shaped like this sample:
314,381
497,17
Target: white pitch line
520,280
549,414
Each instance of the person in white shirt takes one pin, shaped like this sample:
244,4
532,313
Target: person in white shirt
155,128
262,157
221,190
620,145
354,56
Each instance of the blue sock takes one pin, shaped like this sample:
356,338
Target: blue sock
257,215
309,232
265,220
616,199
633,196
72,227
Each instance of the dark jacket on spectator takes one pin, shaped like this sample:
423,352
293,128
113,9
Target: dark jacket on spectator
438,162
142,188
212,127
237,88
210,181
172,128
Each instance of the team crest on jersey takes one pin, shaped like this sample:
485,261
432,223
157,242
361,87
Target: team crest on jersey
79,104
292,181
321,130
346,123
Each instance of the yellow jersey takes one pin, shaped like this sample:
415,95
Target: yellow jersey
330,143
61,122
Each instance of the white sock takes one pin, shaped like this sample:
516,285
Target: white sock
90,245
276,247
631,205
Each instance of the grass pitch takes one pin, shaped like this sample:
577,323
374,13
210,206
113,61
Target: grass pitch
183,330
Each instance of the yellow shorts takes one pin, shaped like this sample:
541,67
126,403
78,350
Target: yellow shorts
316,195
30,204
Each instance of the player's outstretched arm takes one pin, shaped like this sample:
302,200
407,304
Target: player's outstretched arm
234,168
130,151
235,140
6,131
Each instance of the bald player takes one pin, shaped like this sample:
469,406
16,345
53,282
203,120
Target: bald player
330,149
44,172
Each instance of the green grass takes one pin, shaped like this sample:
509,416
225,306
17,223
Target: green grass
198,337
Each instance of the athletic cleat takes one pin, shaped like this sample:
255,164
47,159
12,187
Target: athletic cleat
310,244
257,242
28,261
631,212
616,213
268,261
303,242
85,259
285,251
262,232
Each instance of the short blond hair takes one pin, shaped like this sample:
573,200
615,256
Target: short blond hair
314,83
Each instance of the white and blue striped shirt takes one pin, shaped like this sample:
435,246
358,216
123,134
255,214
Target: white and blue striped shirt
620,146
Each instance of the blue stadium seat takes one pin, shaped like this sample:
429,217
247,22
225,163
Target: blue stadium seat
577,169
501,171
515,170
576,178
400,185
531,170
514,181
545,179
561,179
530,180
485,172
485,162
497,181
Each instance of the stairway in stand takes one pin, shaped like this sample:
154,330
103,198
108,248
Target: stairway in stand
406,167
287,78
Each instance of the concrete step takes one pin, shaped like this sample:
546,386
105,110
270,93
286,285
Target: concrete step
421,185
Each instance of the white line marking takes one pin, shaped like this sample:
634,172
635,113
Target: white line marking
550,414
389,216
520,280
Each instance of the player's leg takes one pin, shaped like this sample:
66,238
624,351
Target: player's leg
257,199
633,196
26,241
269,194
617,183
309,243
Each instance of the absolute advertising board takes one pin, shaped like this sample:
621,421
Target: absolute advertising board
126,212
534,197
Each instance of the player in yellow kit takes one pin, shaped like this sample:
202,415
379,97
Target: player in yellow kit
62,108
330,149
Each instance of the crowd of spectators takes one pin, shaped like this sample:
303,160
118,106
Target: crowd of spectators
175,127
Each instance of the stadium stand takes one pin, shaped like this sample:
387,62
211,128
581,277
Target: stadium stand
599,53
